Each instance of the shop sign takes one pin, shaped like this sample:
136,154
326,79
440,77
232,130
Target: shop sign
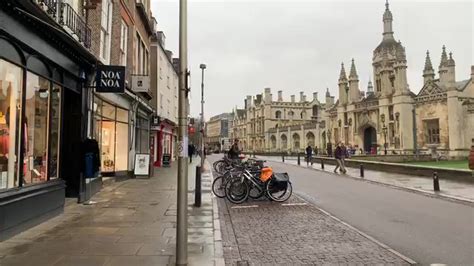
140,83
155,121
110,79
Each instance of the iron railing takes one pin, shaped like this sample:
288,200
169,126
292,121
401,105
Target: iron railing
66,16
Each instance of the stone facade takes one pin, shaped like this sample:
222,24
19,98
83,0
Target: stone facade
387,118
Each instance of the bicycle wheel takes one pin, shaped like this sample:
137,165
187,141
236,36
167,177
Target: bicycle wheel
236,190
218,187
278,193
214,165
256,192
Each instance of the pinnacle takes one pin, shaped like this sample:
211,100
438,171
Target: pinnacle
353,73
342,76
444,57
428,65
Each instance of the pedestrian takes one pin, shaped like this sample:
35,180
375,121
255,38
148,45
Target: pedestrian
190,152
309,155
339,154
234,151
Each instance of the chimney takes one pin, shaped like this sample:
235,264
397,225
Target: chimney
268,96
302,98
248,102
280,96
472,74
315,96
292,98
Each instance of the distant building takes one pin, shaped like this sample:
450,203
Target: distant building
217,132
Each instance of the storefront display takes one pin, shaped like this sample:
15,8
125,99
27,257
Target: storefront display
111,130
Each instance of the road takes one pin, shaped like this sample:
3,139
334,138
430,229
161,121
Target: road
428,230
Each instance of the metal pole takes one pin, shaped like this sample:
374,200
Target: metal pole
415,140
362,170
435,181
182,202
197,190
202,66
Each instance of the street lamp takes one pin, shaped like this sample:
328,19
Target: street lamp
203,67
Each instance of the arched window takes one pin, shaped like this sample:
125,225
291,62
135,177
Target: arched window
278,114
284,141
296,141
273,141
291,114
303,114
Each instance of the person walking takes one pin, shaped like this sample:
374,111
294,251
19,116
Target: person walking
346,153
339,154
190,152
234,151
309,155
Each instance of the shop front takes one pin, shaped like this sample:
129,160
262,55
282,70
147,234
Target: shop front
164,136
121,127
41,116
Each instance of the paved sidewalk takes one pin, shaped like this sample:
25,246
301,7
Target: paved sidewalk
450,189
270,233
132,223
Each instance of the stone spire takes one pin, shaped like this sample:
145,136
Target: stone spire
342,76
444,58
451,61
428,72
328,94
353,74
370,88
387,22
428,65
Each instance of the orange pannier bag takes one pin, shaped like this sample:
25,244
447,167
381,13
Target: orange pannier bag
266,174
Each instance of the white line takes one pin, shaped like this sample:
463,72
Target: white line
294,204
244,207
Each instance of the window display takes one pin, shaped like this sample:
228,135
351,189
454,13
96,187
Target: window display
10,104
54,136
111,131
36,129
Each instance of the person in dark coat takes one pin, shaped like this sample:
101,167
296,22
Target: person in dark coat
339,154
309,155
191,152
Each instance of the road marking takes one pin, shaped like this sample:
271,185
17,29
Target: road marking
294,204
244,207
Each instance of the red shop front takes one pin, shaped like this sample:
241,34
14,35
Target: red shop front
164,141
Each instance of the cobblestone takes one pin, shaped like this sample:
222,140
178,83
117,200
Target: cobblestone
273,234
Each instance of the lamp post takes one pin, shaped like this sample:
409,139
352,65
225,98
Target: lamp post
182,197
203,67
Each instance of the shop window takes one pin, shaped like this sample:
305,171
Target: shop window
10,102
108,110
54,136
36,129
122,115
107,147
121,150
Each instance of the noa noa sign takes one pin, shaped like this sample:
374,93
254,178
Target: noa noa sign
110,79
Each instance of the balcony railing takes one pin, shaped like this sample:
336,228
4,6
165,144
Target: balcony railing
69,18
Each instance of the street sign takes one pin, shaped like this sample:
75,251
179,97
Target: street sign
110,79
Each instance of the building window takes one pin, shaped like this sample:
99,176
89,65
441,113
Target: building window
315,111
432,127
105,30
10,104
378,84
123,43
390,113
290,114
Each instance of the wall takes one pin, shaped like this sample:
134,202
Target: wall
432,110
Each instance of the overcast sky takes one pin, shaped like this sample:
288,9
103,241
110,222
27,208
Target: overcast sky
299,45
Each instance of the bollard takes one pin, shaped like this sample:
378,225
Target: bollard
283,158
197,189
299,159
362,171
322,163
435,181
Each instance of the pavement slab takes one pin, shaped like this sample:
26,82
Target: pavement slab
131,222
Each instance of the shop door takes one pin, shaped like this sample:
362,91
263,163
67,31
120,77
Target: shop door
70,167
